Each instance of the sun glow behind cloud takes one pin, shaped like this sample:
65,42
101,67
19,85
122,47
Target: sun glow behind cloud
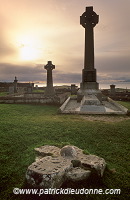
28,52
28,47
35,31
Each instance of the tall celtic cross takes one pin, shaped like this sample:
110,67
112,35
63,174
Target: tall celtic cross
49,91
88,20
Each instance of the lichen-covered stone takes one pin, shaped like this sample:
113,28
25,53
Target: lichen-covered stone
68,152
78,174
49,172
47,150
56,165
93,162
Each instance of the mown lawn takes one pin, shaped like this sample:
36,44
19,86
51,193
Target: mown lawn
3,94
24,127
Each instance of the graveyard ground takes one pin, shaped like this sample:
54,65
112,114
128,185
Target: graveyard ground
24,127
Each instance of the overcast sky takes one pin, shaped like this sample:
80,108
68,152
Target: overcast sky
33,32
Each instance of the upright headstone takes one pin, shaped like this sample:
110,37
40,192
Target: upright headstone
29,89
73,89
15,84
11,89
36,87
49,91
88,20
112,90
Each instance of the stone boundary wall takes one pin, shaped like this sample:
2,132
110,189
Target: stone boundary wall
22,100
34,95
58,100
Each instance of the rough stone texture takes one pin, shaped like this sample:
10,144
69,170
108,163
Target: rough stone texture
93,162
34,98
48,150
68,152
49,172
68,163
78,174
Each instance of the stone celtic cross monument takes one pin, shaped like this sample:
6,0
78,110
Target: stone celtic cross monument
49,91
88,20
89,85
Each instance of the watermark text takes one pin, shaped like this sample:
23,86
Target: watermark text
66,191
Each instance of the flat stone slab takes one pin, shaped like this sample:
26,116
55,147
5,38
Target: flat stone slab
56,166
92,108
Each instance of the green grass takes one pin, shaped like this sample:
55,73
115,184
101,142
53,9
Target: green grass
3,93
122,90
38,91
125,103
24,127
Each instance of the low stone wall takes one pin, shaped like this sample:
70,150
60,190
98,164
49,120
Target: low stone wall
4,89
22,100
34,99
34,95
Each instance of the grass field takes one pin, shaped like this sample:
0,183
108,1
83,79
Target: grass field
3,94
24,127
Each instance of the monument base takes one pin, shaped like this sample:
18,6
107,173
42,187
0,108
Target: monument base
92,105
49,92
89,90
89,85
90,100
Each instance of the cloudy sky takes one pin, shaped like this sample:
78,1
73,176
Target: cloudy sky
33,32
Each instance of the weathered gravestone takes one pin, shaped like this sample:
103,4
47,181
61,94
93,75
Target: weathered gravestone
73,89
112,90
55,166
11,89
